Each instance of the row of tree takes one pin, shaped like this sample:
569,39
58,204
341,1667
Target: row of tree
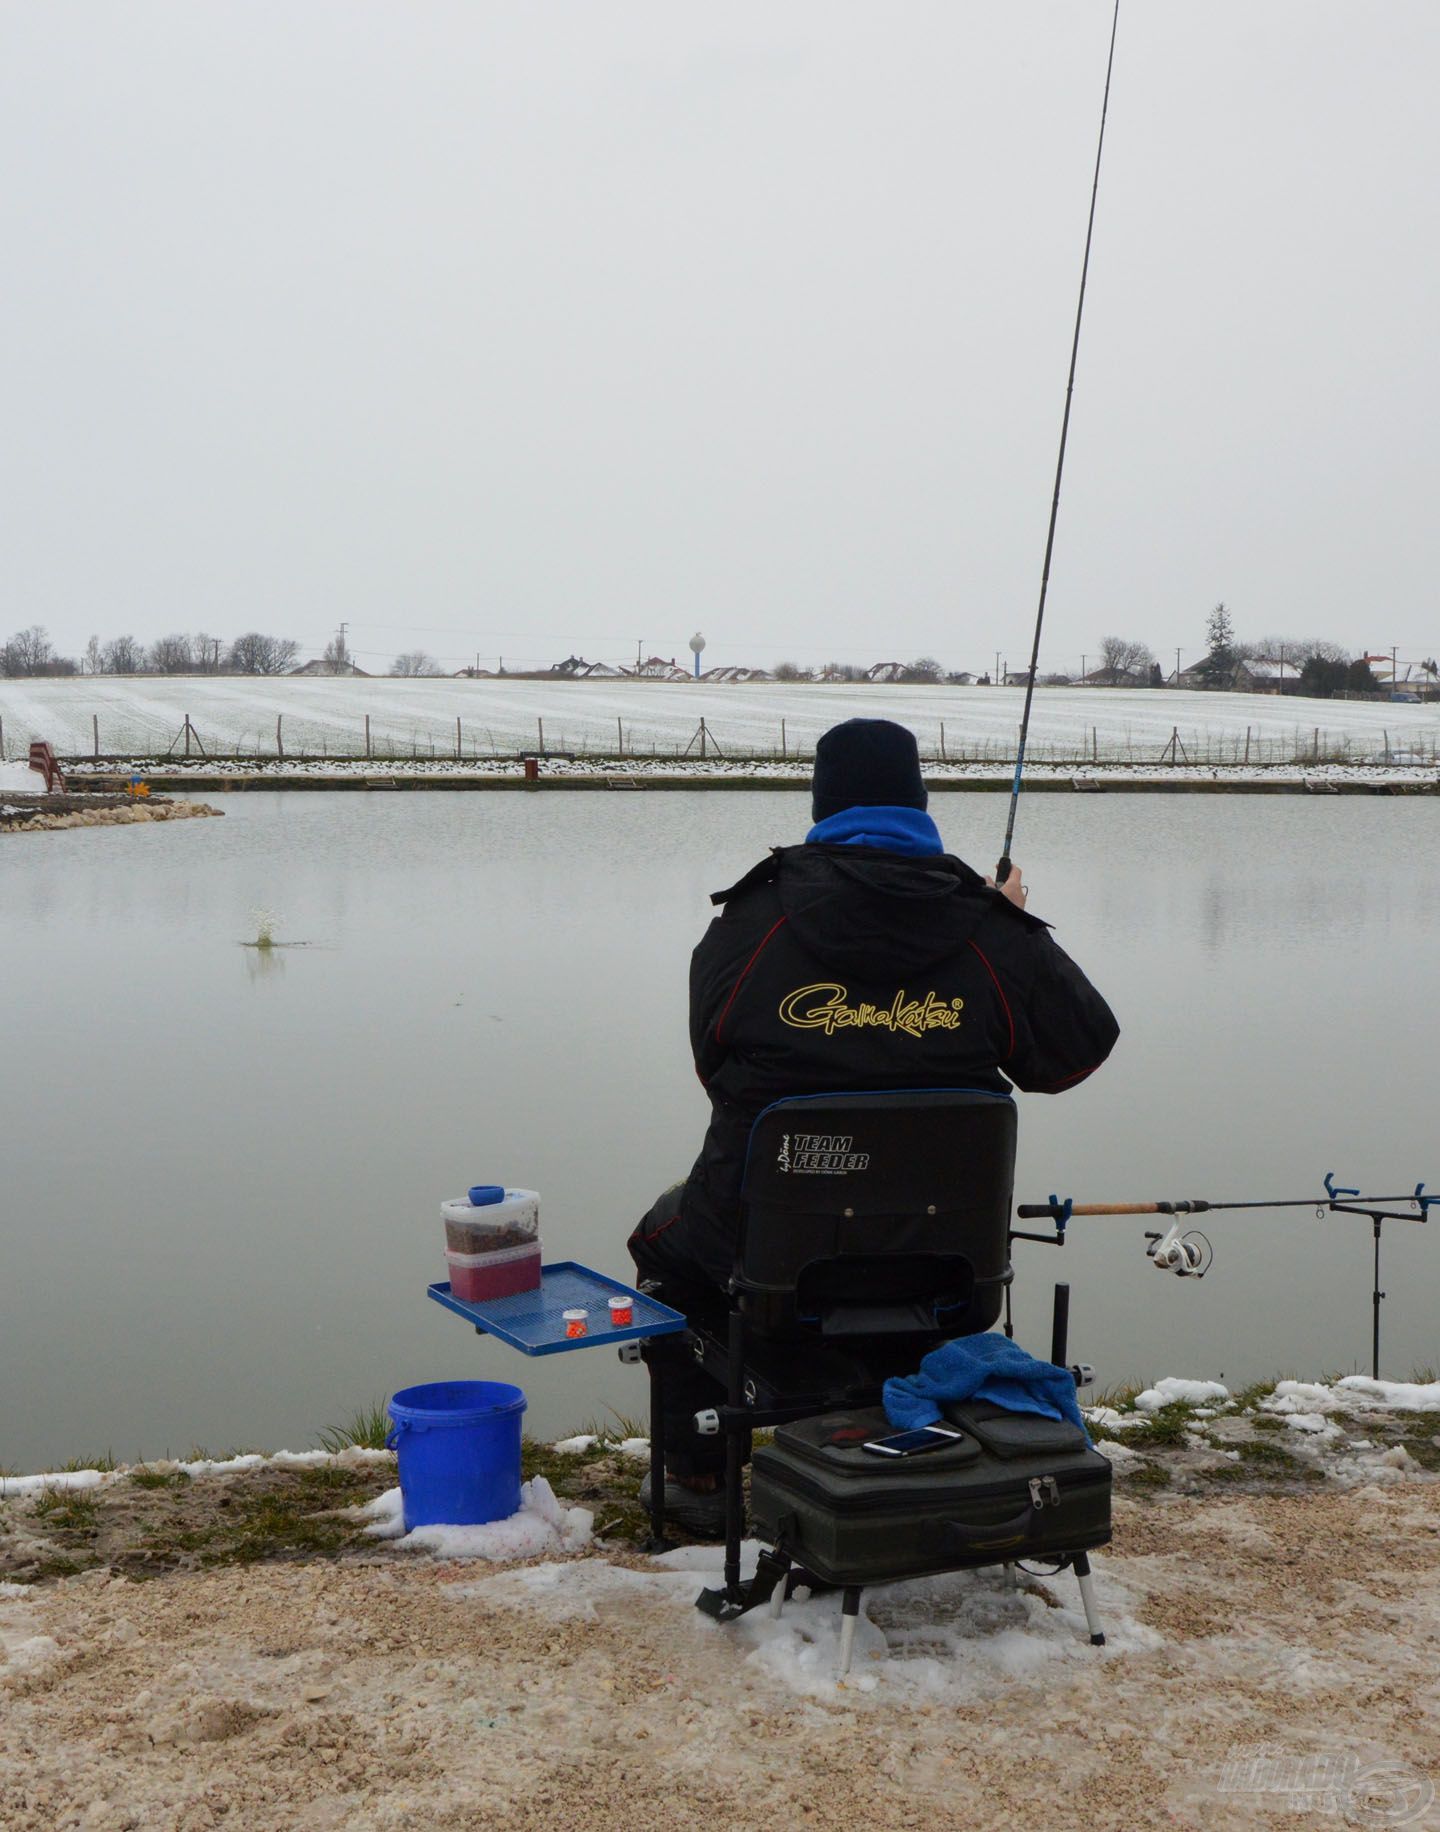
30,652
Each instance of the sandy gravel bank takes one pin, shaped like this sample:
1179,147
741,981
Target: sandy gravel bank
392,1691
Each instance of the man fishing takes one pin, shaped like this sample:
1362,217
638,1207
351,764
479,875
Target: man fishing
867,958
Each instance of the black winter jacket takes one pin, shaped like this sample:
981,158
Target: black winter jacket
842,968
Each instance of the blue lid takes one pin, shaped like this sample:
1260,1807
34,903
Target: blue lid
484,1194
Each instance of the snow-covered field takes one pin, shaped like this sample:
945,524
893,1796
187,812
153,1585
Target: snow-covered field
145,716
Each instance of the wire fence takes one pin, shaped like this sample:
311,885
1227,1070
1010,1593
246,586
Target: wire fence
311,742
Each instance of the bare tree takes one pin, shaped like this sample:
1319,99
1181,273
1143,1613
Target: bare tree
925,668
788,671
415,662
28,652
92,655
1297,649
337,655
1121,655
206,652
256,653
121,655
171,655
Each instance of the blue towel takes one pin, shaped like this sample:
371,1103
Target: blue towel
982,1367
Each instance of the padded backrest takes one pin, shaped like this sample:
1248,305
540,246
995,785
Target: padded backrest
889,1197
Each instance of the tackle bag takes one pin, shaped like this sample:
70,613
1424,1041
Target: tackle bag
1015,1486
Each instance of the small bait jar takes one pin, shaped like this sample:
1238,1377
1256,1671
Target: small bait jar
576,1322
622,1311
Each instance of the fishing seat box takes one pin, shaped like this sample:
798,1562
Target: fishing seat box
1014,1486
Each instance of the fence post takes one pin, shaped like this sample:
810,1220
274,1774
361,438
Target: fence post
619,737
457,737
279,738
2,741
95,732
541,724
942,741
367,734
783,751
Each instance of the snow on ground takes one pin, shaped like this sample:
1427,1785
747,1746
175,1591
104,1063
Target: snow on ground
231,714
542,1524
62,1480
19,779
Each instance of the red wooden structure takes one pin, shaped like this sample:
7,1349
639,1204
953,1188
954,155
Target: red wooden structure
43,758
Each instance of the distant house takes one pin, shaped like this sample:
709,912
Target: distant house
1018,677
1115,677
962,679
887,671
576,668
322,665
657,669
1264,674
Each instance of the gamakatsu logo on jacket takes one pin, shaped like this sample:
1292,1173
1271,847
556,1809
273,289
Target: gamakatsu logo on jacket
824,1007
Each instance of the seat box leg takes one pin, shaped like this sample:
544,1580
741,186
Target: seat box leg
1087,1598
850,1615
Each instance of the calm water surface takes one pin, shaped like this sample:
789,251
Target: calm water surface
221,1170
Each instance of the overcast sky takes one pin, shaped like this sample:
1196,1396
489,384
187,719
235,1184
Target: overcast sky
528,328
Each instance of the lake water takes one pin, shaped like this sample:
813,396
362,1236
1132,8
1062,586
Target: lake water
222,1169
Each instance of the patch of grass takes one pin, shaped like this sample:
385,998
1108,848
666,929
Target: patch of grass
333,1482
277,1526
67,1512
47,1568
1267,1421
1262,1452
1425,1374
104,1464
146,1478
621,1426
1121,1398
367,1430
1147,1476
1165,1429
1424,1448
1248,1398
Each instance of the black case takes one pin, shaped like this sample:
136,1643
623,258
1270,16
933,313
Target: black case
1014,1486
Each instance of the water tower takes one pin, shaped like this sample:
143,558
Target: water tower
697,643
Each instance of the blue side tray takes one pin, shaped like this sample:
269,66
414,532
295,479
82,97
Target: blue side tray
531,1320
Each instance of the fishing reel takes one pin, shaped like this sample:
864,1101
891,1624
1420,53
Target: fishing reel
1188,1255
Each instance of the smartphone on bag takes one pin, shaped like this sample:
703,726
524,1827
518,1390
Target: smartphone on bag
913,1443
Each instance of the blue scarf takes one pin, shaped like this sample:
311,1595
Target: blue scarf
904,830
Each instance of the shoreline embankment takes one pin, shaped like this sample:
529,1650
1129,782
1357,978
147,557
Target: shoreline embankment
553,774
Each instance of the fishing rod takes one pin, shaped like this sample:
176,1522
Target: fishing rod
1002,870
1189,1254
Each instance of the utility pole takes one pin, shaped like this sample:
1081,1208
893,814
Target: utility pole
996,676
1394,668
340,650
1083,659
1177,667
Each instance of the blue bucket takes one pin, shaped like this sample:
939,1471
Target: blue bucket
458,1446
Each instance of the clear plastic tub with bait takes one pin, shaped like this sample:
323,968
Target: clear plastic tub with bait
490,1219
